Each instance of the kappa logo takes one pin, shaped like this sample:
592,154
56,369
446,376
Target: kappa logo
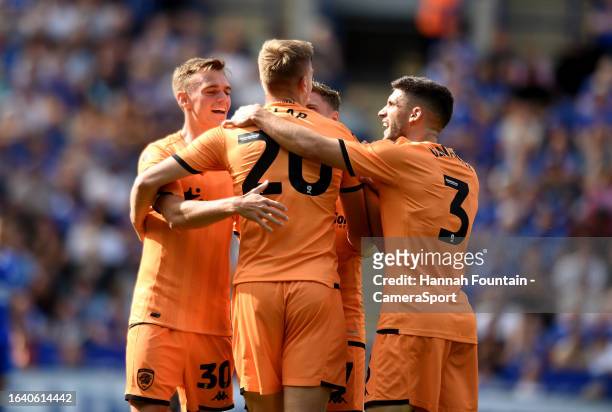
220,396
145,378
337,397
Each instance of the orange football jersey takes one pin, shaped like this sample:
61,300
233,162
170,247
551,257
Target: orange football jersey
183,280
303,248
349,270
426,191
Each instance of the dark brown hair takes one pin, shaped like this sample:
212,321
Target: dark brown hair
434,96
331,96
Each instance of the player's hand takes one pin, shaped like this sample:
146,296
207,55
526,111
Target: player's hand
254,206
369,182
244,116
366,180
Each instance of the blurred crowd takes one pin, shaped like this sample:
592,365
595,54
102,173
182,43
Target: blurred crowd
85,84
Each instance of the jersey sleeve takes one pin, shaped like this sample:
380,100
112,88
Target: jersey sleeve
378,160
350,183
207,152
150,156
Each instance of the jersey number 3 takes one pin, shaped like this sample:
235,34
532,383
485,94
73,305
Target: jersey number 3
295,172
462,189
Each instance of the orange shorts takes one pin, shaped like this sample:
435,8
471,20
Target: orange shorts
435,374
159,360
352,398
288,334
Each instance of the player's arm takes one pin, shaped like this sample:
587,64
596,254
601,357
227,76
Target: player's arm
292,137
376,160
372,203
204,153
354,207
187,214
145,189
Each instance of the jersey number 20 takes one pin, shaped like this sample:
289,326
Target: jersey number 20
295,172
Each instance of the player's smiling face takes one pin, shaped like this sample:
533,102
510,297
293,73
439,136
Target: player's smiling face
210,98
394,115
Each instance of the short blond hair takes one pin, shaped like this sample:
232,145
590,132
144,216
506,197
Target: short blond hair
183,74
281,62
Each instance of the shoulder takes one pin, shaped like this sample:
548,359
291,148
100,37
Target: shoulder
328,126
412,144
418,148
160,148
222,133
164,145
386,145
402,151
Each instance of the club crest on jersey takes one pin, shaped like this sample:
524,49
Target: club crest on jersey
190,195
145,378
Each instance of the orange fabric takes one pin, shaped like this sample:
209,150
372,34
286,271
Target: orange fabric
183,280
418,182
349,270
437,375
159,360
437,18
303,248
352,398
288,334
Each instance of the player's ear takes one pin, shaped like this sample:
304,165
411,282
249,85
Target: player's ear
335,115
416,114
183,100
302,85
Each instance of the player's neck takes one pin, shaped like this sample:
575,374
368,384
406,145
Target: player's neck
192,130
287,97
424,135
188,133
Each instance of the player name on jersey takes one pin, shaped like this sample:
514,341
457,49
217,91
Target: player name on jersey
439,150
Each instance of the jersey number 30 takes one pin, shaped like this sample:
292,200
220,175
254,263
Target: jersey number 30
295,172
462,189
